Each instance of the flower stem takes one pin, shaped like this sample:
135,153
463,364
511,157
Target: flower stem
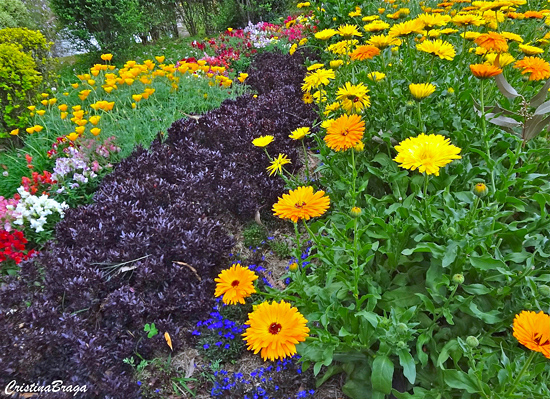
353,177
306,161
419,115
518,378
484,130
427,215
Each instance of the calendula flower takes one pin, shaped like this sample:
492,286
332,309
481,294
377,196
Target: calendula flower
316,78
364,52
376,76
293,49
263,141
301,203
530,50
512,36
315,66
325,34
484,71
336,63
277,164
503,59
440,48
532,330
347,31
426,153
537,67
492,41
345,132
468,20
431,20
235,284
421,90
353,97
274,330
307,98
342,47
300,133
383,41
480,190
406,28
376,26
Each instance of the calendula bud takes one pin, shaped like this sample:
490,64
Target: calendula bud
293,266
472,341
356,212
480,190
544,290
402,328
458,279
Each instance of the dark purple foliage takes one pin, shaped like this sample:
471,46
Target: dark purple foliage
74,315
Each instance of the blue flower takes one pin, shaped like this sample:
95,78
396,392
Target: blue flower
206,346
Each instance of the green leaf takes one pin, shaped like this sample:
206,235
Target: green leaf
486,262
460,380
409,367
476,289
382,374
450,254
446,352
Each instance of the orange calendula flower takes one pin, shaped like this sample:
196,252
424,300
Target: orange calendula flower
426,153
345,132
301,203
532,330
484,71
537,67
235,284
275,329
364,52
492,41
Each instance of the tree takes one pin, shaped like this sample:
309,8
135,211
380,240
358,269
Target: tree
13,14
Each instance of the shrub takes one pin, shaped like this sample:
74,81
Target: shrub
13,13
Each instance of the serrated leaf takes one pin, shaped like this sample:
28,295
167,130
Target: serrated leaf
382,374
505,88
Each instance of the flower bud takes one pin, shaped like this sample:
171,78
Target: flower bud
402,328
401,345
458,279
356,212
480,190
544,290
472,341
293,266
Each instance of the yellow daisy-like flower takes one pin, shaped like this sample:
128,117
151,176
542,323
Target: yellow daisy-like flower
336,63
503,59
263,141
426,153
345,132
376,76
370,18
470,35
376,26
347,31
332,107
512,36
342,47
325,34
530,50
537,67
440,48
353,97
275,329
468,20
383,41
313,67
316,78
277,164
235,284
300,133
301,203
421,90
307,98
406,28
431,20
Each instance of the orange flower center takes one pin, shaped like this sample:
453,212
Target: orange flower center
235,283
300,205
275,328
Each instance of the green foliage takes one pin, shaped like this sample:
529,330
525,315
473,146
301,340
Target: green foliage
281,248
237,14
19,81
254,235
151,330
13,14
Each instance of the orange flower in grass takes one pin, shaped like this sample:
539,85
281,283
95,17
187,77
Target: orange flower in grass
235,284
275,329
537,67
484,71
492,41
532,330
345,132
364,53
301,203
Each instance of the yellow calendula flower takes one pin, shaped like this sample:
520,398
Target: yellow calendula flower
530,50
426,153
263,141
274,330
353,97
235,284
325,34
316,78
376,76
336,63
303,41
313,67
301,203
421,90
277,164
300,133
503,59
342,47
293,49
439,48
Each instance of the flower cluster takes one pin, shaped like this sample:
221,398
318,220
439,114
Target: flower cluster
7,207
12,247
36,210
281,380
